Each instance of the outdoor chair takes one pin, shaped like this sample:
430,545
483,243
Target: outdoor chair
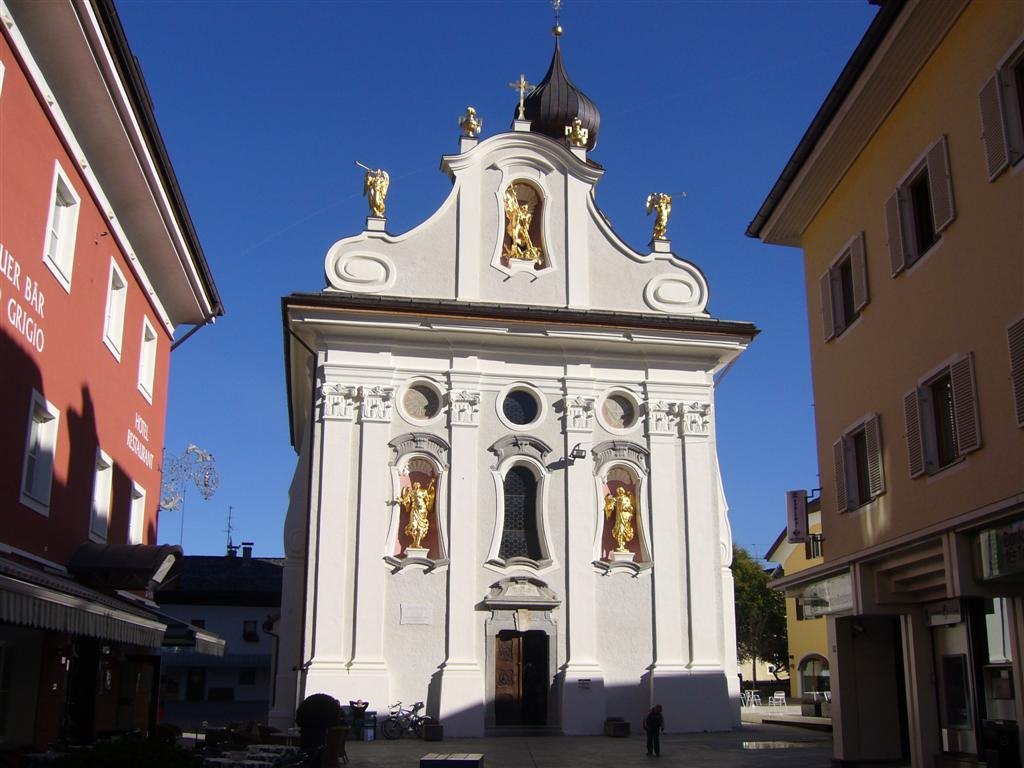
778,699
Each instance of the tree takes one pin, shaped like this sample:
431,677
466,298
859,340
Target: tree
760,614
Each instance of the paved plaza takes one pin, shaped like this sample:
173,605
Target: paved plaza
760,745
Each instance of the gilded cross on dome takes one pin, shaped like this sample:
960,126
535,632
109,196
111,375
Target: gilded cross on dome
524,88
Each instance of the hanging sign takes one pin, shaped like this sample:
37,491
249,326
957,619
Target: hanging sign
796,516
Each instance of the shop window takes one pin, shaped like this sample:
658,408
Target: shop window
814,675
61,228
942,418
40,445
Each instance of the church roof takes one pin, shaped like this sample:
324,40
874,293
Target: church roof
535,314
553,104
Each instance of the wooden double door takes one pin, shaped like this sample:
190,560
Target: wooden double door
521,678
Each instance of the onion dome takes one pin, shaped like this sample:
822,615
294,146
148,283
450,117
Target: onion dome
556,101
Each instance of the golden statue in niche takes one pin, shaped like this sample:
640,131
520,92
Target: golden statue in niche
375,187
518,218
418,503
661,204
623,505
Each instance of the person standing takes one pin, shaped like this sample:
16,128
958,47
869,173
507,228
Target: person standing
654,724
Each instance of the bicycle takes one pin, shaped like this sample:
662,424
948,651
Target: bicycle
401,721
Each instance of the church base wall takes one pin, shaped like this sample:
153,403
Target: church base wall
693,700
583,702
462,705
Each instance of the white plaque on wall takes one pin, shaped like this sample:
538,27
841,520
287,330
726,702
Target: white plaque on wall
416,614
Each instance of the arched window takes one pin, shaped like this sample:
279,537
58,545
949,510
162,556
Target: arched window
814,674
519,537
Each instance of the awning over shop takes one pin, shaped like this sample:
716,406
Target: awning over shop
33,598
185,658
184,637
123,566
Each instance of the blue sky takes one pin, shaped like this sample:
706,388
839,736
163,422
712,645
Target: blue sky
264,106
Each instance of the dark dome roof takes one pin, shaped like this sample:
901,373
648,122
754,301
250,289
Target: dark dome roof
556,101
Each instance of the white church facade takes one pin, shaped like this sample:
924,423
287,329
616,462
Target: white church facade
507,501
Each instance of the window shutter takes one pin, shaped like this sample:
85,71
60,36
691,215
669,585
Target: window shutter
859,270
993,127
915,448
1016,339
894,229
940,184
965,405
873,439
827,315
839,456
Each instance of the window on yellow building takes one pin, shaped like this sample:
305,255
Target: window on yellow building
1002,114
844,288
920,209
858,469
942,418
1015,338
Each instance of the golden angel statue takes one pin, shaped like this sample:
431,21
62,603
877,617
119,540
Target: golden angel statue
375,187
661,204
518,217
624,506
418,503
470,123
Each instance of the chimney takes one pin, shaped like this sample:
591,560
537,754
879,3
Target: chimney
246,550
232,550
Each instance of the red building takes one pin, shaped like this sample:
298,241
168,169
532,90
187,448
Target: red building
99,267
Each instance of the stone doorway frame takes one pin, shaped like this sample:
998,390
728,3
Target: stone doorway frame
520,604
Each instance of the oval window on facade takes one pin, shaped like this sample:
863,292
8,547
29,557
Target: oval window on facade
421,402
520,407
619,411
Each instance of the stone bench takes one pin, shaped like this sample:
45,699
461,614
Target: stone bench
460,759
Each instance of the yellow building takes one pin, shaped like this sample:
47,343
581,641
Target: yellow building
906,195
805,627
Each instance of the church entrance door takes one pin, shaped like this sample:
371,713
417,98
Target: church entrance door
521,678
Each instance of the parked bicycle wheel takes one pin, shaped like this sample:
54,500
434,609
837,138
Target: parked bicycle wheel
391,728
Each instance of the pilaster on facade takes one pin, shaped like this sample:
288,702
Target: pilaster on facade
700,490
462,674
671,602
368,670
331,614
583,695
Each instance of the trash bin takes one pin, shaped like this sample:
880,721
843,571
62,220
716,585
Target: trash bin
369,726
